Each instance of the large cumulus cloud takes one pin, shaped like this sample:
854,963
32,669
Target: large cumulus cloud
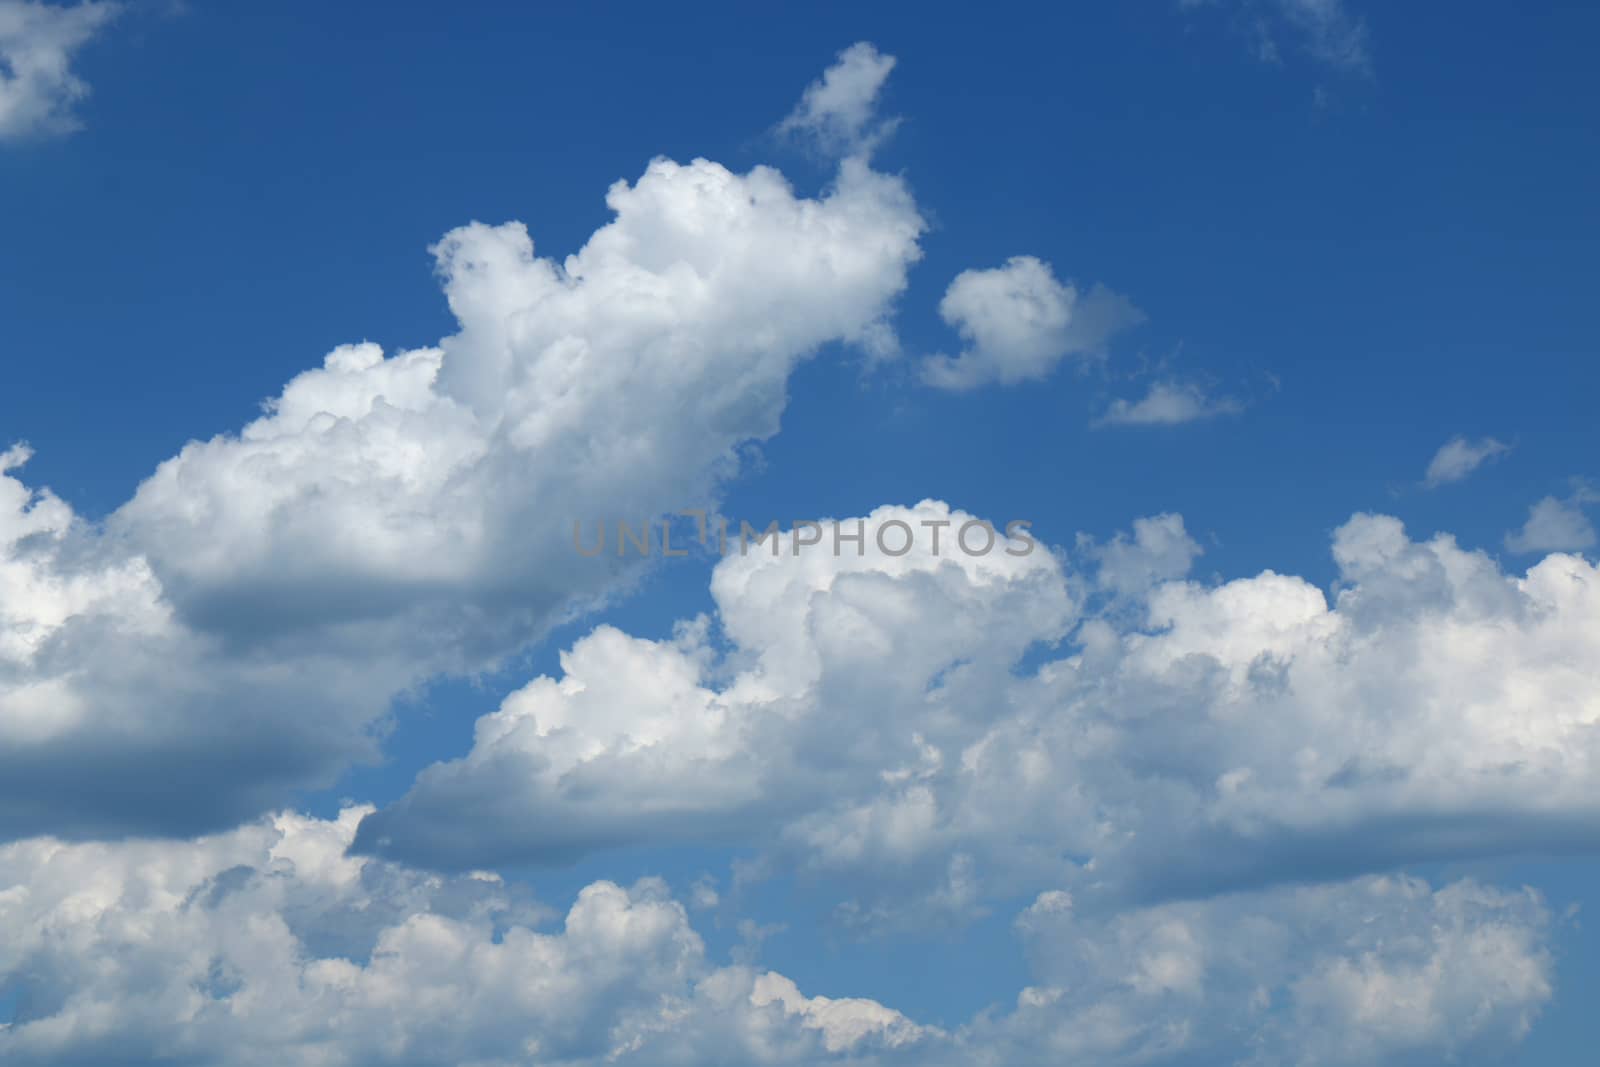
266,945
872,714
238,629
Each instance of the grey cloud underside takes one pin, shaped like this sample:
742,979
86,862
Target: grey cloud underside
237,631
870,719
269,945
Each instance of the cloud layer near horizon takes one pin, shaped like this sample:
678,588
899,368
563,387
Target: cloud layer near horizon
268,945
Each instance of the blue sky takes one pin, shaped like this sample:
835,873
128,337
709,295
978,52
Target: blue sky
1277,267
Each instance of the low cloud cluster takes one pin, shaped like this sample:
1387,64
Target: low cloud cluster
1375,971
266,945
873,715
269,945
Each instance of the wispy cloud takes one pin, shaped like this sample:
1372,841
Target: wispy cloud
1459,457
37,86
1168,403
839,110
1324,30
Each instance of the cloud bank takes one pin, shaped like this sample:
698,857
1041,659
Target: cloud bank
871,717
268,945
1458,457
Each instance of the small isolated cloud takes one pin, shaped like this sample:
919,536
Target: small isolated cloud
1556,525
37,85
1168,403
1459,457
1018,322
839,109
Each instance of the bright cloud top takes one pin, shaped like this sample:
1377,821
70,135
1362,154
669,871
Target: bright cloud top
869,716
240,627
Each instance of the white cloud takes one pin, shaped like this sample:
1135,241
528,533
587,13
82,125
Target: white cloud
238,629
1556,525
1160,550
1459,457
269,945
868,717
266,945
639,741
37,86
1019,322
1168,403
839,110
1377,971
618,383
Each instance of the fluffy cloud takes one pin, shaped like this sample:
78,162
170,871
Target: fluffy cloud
869,716
1019,322
270,945
1459,457
239,627
432,495
266,945
663,740
1160,550
37,86
1556,525
1167,403
116,716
